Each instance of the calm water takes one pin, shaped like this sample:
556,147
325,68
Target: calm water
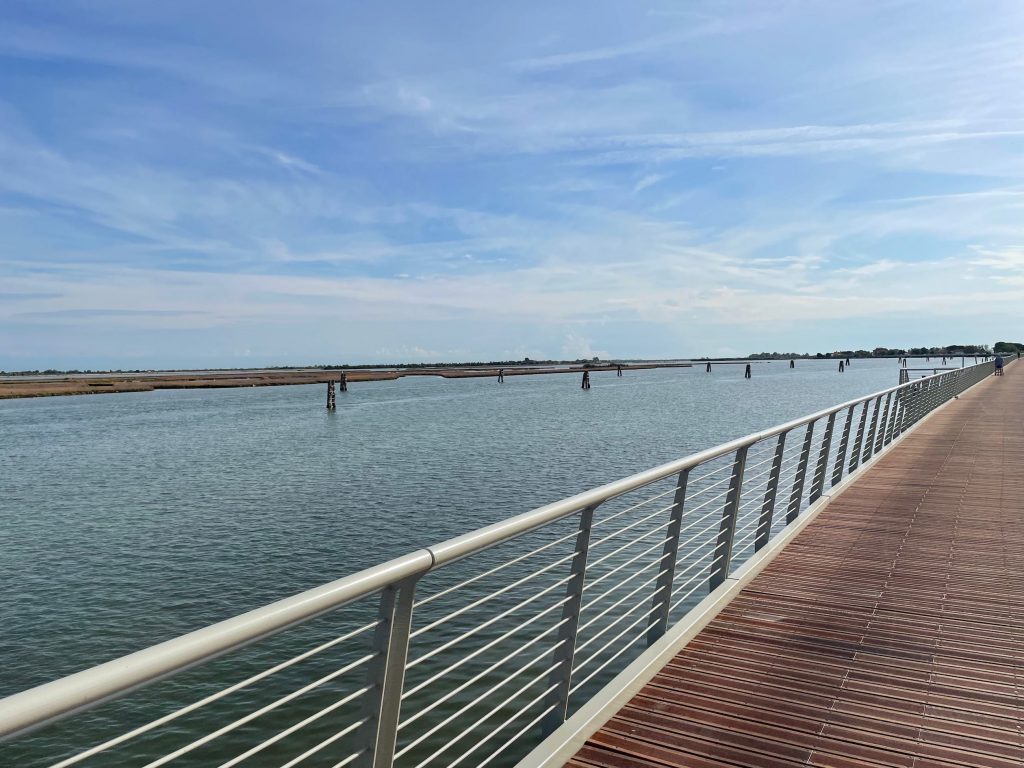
128,519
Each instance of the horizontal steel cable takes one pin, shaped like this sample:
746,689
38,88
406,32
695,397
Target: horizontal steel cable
484,625
621,617
497,593
451,742
634,524
325,743
494,570
209,699
299,725
501,727
466,707
259,712
609,518
437,702
603,648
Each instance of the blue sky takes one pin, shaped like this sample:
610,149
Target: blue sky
251,183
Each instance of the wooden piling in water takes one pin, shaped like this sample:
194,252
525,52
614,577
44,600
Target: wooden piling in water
841,367
709,368
343,382
618,371
792,363
330,396
746,373
585,384
501,375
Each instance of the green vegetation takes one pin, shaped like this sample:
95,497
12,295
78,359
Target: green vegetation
952,350
1008,347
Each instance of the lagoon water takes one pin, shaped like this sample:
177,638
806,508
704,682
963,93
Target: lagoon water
128,519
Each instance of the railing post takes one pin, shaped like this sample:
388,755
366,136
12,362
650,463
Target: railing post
929,399
869,444
899,406
934,400
661,603
884,424
952,386
764,522
818,482
565,651
940,391
386,675
793,510
855,455
844,442
722,553
949,387
933,390
919,401
897,416
913,404
907,394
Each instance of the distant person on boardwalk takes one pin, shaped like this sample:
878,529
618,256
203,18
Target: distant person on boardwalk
999,365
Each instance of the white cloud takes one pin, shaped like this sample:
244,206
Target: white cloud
647,181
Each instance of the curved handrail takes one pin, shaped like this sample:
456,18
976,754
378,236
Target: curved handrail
57,699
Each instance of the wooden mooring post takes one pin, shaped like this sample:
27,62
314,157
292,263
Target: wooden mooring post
501,375
792,363
330,396
343,382
709,368
746,373
841,366
585,384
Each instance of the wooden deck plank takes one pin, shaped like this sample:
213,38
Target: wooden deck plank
890,632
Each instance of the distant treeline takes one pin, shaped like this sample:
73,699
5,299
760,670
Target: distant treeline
952,350
73,372
1007,347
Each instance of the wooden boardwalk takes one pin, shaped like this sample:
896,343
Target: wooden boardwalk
890,632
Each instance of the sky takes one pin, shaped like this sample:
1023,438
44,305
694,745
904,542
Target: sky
205,184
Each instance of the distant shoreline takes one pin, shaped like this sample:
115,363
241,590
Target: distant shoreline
43,384
96,384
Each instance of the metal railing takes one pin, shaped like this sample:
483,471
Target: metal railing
468,652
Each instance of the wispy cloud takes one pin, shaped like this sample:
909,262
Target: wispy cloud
656,181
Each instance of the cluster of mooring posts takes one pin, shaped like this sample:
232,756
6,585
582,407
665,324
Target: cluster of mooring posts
585,382
342,385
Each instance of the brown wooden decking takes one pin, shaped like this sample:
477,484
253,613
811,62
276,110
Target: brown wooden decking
890,632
